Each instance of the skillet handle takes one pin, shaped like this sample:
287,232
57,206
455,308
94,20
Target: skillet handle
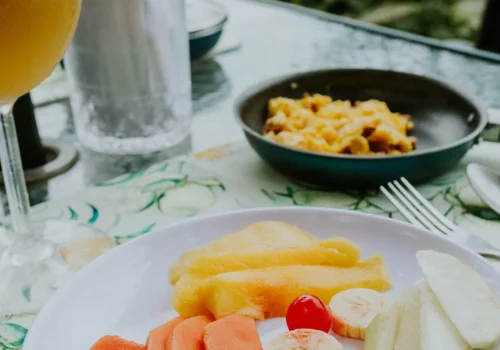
492,131
494,116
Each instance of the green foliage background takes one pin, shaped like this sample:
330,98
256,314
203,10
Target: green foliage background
441,19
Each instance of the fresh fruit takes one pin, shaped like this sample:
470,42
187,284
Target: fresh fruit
308,311
471,306
161,337
186,296
186,301
268,292
231,333
382,331
331,252
353,309
112,342
188,335
258,237
304,339
408,336
344,246
437,331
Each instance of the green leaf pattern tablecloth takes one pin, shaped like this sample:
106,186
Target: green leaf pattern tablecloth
230,177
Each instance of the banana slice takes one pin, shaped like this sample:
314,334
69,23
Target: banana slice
353,310
304,339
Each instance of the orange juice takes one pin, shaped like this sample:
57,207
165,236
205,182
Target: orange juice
33,37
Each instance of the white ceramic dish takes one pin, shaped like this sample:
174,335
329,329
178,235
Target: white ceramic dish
486,183
126,292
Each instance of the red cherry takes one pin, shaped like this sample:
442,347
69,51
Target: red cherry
308,311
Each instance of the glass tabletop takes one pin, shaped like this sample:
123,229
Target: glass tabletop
262,40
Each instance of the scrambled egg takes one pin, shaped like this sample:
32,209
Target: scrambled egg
317,123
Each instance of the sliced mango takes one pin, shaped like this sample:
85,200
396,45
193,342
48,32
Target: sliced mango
260,237
268,292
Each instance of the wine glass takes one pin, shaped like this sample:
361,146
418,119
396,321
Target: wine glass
34,35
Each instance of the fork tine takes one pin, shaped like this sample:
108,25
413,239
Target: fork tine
429,206
428,215
409,216
413,210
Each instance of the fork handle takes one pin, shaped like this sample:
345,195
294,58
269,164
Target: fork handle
477,244
489,255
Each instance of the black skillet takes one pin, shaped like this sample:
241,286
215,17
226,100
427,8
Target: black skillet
447,124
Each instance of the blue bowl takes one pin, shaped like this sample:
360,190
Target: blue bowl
199,46
206,21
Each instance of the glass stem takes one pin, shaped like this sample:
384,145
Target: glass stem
13,173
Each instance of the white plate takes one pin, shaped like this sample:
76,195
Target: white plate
126,292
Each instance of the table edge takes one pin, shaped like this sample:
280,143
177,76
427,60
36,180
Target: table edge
389,32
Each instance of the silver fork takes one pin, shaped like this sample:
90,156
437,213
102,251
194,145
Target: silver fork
420,212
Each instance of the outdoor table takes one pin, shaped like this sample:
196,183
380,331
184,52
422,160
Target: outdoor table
118,198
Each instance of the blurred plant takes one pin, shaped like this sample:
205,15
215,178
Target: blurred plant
441,19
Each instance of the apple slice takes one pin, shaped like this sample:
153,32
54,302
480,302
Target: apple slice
469,303
382,330
438,332
408,336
